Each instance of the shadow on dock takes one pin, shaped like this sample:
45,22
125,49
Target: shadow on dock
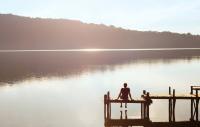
145,101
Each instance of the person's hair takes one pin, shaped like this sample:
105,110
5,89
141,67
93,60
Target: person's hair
125,84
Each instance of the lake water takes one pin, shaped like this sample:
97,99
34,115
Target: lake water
66,89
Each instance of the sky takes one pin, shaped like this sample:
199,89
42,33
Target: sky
180,16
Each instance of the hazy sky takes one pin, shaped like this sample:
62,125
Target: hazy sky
155,15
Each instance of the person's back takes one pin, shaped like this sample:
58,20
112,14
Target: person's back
124,93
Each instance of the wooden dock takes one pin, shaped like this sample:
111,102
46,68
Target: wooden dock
146,100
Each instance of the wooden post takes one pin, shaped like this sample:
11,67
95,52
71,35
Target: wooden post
170,110
145,110
148,103
144,105
191,89
170,106
108,107
141,111
110,110
169,90
192,103
197,105
197,112
144,92
174,103
105,102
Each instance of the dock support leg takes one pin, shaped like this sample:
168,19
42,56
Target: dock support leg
146,107
170,106
121,115
148,111
110,111
108,105
170,110
192,110
142,116
174,104
197,110
197,106
144,110
105,102
192,105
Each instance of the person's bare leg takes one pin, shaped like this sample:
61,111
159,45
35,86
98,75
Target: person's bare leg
126,114
121,115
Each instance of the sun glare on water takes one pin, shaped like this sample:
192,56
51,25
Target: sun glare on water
92,50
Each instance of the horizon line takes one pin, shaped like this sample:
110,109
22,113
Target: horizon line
96,50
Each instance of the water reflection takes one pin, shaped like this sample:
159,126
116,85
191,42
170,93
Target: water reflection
77,100
17,66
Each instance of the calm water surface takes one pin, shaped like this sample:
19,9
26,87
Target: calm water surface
74,100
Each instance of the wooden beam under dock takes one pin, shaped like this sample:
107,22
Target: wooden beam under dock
147,123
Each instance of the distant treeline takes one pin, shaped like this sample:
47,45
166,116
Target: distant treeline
18,32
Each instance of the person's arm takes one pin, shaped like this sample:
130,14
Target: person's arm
119,94
129,93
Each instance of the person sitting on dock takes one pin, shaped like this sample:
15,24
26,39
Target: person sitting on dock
124,93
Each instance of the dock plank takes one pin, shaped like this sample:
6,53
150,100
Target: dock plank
196,87
142,100
179,96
